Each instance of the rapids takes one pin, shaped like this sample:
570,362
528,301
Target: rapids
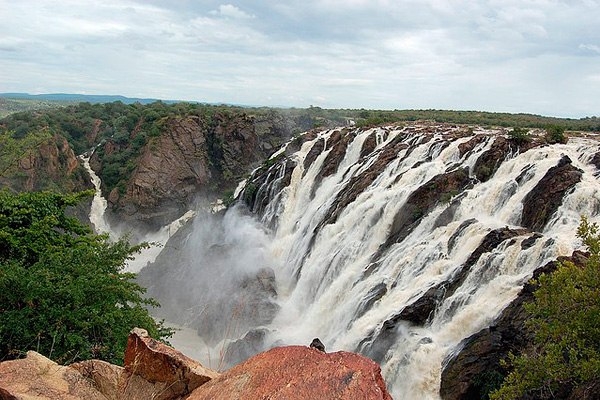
337,281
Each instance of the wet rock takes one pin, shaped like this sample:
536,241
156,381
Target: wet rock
317,344
316,149
360,182
298,372
544,199
423,200
337,143
368,145
242,349
596,160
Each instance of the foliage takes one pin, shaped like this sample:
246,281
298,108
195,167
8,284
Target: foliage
519,135
12,149
555,134
63,291
565,320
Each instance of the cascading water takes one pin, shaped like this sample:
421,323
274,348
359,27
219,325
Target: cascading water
354,249
99,203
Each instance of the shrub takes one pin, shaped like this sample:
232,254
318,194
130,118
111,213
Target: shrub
555,134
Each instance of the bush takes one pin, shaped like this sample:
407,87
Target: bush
63,291
519,135
565,320
555,134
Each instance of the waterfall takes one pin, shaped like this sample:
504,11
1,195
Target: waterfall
350,259
99,203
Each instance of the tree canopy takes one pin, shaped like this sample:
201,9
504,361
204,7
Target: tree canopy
63,291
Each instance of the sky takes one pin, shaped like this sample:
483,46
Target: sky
530,56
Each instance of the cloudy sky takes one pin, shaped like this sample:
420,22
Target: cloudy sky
533,56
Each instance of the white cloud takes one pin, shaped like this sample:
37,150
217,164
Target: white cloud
231,11
487,54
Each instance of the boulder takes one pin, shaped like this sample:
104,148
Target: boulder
298,372
156,362
37,377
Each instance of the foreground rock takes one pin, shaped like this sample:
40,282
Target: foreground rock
298,372
152,370
36,377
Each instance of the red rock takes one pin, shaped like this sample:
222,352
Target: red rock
157,362
298,372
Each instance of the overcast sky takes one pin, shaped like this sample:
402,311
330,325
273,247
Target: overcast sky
533,56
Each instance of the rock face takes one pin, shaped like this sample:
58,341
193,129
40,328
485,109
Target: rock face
298,372
193,157
156,362
50,166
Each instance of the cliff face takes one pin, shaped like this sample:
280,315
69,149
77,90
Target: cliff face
49,166
193,158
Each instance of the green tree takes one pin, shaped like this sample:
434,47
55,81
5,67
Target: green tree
520,135
555,134
565,320
63,291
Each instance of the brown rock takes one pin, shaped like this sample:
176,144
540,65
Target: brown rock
50,165
298,372
544,199
157,362
37,377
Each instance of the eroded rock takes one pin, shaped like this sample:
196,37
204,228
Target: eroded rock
298,372
37,377
544,199
157,362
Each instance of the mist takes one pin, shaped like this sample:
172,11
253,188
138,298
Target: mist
214,276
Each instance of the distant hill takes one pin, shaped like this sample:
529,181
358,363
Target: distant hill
78,98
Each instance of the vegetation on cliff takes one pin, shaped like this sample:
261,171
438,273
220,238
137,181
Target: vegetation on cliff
63,291
565,320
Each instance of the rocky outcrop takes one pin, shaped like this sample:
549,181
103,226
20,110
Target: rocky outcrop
155,371
152,371
298,373
424,199
476,369
156,362
49,166
37,377
544,199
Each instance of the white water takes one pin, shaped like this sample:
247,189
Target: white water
324,300
99,203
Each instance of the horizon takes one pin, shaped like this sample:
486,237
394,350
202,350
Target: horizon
147,100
